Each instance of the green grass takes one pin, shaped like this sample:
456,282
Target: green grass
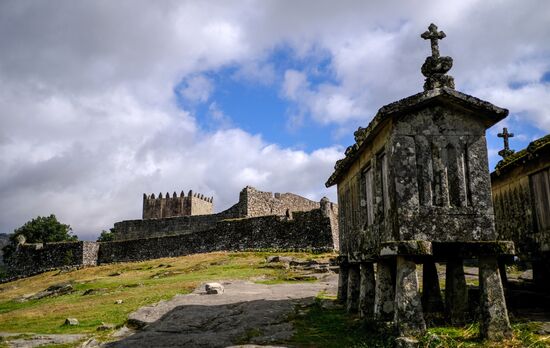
524,335
334,328
322,324
137,284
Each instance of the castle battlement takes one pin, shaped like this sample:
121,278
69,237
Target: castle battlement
156,207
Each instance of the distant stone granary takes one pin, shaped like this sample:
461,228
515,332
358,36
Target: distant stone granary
415,189
521,197
171,206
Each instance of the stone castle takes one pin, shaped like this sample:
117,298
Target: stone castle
159,218
181,225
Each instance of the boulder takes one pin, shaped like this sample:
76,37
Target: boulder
71,321
271,259
105,327
214,288
54,290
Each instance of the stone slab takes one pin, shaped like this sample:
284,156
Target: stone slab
406,248
467,250
198,320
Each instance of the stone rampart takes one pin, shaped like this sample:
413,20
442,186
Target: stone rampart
259,203
252,203
307,230
148,228
39,257
312,230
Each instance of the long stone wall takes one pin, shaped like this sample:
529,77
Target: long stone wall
311,230
307,230
149,228
39,257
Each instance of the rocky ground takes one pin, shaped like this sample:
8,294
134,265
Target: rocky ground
239,313
245,311
235,312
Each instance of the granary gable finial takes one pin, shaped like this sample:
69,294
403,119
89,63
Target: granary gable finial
435,67
505,135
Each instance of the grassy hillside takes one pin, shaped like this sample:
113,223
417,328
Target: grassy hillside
97,289
136,284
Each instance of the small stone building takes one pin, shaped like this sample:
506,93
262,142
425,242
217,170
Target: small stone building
415,189
521,197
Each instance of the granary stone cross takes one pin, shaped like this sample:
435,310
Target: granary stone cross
505,135
433,35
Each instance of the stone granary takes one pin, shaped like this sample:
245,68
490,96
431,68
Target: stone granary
521,197
415,189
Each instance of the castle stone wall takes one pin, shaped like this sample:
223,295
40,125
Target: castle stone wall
201,205
147,228
40,257
307,230
259,203
164,206
312,230
198,217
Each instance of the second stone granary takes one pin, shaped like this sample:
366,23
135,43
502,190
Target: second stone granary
415,189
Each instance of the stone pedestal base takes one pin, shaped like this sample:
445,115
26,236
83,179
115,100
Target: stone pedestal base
456,292
354,285
384,293
408,317
343,284
367,291
495,324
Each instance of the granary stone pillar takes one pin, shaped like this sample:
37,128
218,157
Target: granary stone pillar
456,291
367,291
384,293
502,270
431,291
408,317
343,282
495,324
354,284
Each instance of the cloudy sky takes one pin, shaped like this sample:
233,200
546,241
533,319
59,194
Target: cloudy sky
101,101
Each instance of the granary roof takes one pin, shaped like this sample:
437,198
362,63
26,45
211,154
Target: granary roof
489,113
532,151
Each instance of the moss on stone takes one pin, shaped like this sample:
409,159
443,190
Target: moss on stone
519,157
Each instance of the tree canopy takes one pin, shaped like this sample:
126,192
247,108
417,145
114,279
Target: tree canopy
44,230
106,236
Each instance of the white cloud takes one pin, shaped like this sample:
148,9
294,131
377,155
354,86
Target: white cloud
88,119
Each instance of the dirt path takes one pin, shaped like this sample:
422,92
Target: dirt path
245,312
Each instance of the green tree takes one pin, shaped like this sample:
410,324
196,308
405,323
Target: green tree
40,230
106,236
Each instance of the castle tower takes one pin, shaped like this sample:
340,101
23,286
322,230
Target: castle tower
173,205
